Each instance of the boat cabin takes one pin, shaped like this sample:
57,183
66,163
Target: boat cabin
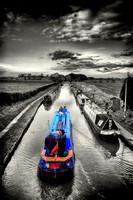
82,99
105,122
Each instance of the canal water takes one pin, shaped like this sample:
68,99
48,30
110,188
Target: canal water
102,170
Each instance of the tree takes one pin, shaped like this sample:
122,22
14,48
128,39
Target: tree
129,96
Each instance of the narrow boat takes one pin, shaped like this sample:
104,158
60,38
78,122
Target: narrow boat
51,96
47,98
57,167
101,122
82,99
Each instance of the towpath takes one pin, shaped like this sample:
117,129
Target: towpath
125,136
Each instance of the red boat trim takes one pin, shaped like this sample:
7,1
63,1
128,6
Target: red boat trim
56,159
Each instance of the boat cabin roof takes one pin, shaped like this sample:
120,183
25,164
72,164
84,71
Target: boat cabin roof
96,109
105,122
83,96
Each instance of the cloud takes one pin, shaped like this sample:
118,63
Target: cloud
108,68
83,25
58,55
10,17
17,39
125,53
71,27
74,21
2,71
70,61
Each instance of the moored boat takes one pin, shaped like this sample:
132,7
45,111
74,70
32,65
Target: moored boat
47,99
58,167
82,99
101,122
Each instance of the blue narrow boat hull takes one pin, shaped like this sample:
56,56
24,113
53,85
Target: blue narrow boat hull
56,176
56,168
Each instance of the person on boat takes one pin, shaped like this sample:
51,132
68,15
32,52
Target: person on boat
55,149
60,116
60,109
50,142
60,144
64,110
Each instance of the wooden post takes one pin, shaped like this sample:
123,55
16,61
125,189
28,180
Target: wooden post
125,105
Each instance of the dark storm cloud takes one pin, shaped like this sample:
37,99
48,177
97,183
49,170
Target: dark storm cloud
87,65
91,25
109,67
62,7
53,8
125,53
112,24
73,62
57,55
76,20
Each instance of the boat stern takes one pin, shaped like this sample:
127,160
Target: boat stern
56,168
110,135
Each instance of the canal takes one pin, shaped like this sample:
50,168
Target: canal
102,170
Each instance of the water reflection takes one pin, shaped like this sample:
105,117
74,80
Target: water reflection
106,148
47,105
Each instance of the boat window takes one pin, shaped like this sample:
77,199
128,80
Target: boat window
100,122
87,100
83,100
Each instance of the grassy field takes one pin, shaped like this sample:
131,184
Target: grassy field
100,91
11,86
11,110
17,90
108,86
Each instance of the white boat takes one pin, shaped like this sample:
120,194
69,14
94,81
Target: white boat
101,122
82,99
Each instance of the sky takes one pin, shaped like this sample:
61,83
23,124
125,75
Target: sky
92,37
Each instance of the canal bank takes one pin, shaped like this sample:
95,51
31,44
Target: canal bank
125,135
11,136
